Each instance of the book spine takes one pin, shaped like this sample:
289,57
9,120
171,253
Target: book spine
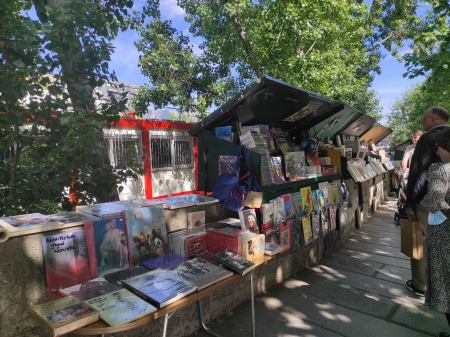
91,249
130,257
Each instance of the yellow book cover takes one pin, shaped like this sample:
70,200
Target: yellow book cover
307,231
307,202
334,193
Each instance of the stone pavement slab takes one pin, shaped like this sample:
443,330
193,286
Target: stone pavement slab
393,261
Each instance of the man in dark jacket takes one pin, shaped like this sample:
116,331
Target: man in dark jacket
434,120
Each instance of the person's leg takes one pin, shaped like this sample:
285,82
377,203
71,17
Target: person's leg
418,266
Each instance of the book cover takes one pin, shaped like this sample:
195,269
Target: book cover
234,262
323,186
72,218
195,244
278,166
296,233
196,220
266,216
208,255
283,142
297,204
106,245
273,234
164,262
307,230
227,164
320,198
120,307
288,209
325,220
252,246
104,210
201,273
146,233
68,291
204,199
180,201
295,164
307,200
91,289
160,287
278,210
285,235
333,211
248,220
315,219
272,248
29,223
125,274
219,239
315,200
224,132
64,315
334,193
66,260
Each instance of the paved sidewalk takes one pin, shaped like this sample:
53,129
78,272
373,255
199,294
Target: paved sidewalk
358,291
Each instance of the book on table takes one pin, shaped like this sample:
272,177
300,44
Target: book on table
90,289
119,276
104,210
120,307
160,287
234,262
106,245
30,223
225,238
66,260
248,220
64,315
164,262
272,249
201,273
251,245
196,220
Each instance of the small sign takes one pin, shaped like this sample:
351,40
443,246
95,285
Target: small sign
253,199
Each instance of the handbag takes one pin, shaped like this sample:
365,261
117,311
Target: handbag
411,238
232,189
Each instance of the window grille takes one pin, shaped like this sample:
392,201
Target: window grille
123,145
170,151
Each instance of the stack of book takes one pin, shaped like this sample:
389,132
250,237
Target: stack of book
234,262
188,242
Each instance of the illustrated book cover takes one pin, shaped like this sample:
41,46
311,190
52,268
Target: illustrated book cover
106,245
315,200
278,166
272,248
252,245
160,287
64,315
273,234
315,220
124,274
201,273
234,262
296,233
278,210
307,230
104,210
66,260
334,193
307,201
295,165
267,216
224,132
288,209
68,291
285,236
120,307
323,186
227,164
29,223
146,233
320,199
196,220
297,204
325,220
164,262
248,220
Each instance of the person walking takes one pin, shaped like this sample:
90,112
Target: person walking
434,120
437,201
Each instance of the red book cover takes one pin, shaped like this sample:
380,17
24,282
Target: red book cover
217,241
285,235
195,245
92,254
66,260
288,211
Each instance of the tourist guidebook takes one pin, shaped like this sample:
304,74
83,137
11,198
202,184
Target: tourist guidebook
64,315
120,307
201,273
146,233
66,260
160,287
106,245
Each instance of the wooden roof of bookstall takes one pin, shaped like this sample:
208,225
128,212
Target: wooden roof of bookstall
376,133
275,103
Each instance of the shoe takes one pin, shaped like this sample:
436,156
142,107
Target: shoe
415,291
444,334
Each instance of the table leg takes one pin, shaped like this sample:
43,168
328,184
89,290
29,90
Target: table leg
252,299
200,314
166,323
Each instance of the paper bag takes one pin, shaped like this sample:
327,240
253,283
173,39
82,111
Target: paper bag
411,239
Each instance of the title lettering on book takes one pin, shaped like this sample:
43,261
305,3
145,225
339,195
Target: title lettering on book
58,244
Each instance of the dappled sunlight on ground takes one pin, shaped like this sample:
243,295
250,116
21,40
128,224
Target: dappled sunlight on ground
293,284
296,322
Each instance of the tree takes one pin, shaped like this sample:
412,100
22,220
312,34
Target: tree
320,46
49,68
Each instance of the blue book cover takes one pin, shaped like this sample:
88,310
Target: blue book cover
224,132
297,204
164,262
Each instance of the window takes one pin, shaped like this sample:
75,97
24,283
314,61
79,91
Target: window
171,150
123,145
